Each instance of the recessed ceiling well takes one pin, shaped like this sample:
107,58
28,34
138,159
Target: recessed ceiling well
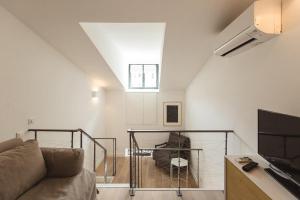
121,44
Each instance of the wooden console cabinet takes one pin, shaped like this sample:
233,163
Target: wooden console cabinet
254,185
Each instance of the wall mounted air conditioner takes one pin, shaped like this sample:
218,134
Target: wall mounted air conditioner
259,23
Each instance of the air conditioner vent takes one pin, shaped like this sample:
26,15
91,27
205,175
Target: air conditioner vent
245,32
239,46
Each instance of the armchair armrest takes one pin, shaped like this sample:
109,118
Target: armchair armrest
62,162
161,145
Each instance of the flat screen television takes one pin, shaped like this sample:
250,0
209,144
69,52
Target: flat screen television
279,144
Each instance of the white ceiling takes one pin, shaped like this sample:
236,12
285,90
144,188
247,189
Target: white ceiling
191,27
121,44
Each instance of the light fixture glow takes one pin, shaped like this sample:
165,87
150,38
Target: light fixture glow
95,94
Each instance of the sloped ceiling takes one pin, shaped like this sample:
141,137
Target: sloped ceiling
191,27
121,44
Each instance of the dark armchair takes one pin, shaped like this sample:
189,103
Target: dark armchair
163,157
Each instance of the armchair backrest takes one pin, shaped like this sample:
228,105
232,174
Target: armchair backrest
174,141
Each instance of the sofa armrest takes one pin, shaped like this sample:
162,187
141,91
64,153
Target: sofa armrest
161,145
62,162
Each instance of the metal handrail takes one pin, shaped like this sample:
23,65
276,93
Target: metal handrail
114,140
178,131
134,140
134,145
82,132
171,149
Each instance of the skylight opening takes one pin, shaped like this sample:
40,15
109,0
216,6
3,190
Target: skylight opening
137,44
143,77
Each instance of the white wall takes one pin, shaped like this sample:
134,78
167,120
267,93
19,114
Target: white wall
228,91
37,82
138,111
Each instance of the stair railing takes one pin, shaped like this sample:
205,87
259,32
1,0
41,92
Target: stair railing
135,152
82,133
114,150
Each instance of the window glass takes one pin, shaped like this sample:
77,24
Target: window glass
150,73
143,76
136,76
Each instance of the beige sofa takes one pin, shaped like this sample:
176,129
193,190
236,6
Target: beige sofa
28,172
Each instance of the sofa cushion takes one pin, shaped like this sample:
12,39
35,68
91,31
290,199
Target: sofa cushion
20,169
61,162
10,144
79,187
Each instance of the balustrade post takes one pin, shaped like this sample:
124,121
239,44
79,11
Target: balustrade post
226,141
35,135
80,139
94,157
131,190
179,194
72,139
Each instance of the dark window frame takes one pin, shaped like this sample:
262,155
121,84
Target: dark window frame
143,87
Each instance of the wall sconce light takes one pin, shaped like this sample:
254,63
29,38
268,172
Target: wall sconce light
95,94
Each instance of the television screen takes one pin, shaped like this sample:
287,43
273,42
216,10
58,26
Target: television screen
279,141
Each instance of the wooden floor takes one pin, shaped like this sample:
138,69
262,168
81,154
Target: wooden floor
122,194
122,169
152,176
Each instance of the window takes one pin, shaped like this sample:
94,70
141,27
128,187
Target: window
143,76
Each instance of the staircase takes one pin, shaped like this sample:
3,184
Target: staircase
78,138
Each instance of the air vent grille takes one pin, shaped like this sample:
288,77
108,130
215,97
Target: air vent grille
239,46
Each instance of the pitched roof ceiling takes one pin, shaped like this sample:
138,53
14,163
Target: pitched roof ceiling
122,44
191,27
